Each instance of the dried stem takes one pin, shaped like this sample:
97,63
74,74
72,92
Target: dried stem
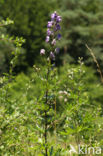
95,60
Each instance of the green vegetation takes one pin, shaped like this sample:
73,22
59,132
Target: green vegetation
46,109
82,25
30,18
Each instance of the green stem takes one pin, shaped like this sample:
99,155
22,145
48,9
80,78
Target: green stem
46,124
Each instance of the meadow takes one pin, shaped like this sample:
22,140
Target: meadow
51,81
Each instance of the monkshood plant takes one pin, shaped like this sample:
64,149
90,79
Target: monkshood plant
47,102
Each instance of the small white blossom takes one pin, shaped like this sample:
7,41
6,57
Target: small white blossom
42,52
60,97
65,100
60,92
65,92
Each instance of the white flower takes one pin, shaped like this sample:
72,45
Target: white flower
65,92
60,97
60,92
42,52
65,100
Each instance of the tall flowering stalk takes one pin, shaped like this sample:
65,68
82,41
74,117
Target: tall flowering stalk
53,35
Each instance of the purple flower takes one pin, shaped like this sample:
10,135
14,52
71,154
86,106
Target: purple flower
47,39
58,19
59,36
58,27
57,50
49,32
50,23
52,56
42,52
52,33
53,16
54,42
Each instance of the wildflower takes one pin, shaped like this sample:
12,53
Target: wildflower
50,23
47,39
49,32
52,56
60,92
53,16
65,92
54,42
65,100
59,36
58,27
57,50
42,52
53,28
60,97
52,33
58,19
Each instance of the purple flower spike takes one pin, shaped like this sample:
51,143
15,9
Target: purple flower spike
42,52
59,36
54,42
52,56
53,35
47,39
